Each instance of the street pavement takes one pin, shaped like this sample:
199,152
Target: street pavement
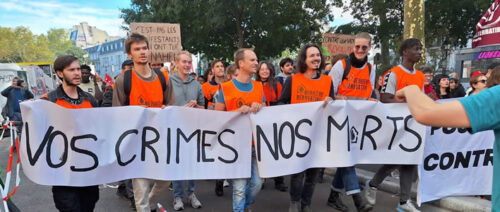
34,197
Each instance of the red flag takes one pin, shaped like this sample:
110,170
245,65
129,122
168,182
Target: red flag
108,79
488,28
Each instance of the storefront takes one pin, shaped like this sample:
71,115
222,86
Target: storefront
480,58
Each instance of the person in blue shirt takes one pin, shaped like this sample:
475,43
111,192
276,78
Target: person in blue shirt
479,112
15,94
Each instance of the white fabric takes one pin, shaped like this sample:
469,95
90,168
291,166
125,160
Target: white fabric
227,133
307,125
441,178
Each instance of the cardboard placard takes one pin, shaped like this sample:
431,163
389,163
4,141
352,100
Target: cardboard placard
164,39
337,44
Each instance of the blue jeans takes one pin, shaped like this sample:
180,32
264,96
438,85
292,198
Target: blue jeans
179,190
346,180
245,190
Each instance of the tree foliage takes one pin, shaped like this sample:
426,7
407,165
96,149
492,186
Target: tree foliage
217,28
21,45
448,24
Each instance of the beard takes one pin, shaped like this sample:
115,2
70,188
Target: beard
69,83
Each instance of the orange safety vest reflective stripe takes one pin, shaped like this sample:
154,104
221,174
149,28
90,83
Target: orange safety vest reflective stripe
209,91
357,83
146,93
235,98
404,78
309,90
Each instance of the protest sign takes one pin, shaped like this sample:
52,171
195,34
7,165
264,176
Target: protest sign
290,139
60,147
337,44
456,163
164,40
100,145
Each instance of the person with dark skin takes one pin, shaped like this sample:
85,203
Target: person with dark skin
397,78
89,83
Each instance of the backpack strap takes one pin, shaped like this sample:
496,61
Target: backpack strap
127,83
275,87
347,69
162,79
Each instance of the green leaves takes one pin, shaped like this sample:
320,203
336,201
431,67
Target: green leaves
217,28
21,45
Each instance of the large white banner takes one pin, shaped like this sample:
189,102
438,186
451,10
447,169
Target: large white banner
93,146
456,163
101,145
292,138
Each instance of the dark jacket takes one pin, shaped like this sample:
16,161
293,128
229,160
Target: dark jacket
457,92
8,110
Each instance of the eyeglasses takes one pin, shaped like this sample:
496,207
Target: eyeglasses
481,81
364,48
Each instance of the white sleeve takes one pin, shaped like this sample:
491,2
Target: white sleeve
336,74
372,76
390,83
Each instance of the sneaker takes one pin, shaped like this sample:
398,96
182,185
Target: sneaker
294,207
170,187
132,204
360,203
195,203
370,193
225,184
335,202
178,204
407,207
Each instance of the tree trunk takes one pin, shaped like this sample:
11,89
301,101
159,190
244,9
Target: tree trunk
414,22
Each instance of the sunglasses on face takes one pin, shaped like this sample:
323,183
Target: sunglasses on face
364,48
481,81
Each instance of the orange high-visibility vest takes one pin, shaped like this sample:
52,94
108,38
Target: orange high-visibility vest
309,90
404,78
357,83
235,98
146,93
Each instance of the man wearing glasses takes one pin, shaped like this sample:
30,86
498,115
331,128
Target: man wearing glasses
353,78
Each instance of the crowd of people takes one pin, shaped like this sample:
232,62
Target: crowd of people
246,86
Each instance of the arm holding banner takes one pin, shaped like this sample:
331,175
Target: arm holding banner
428,112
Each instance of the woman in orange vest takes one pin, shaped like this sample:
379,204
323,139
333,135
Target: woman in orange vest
308,85
272,89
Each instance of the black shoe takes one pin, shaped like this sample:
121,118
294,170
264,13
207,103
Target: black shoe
334,201
170,187
281,187
122,192
219,188
132,204
361,204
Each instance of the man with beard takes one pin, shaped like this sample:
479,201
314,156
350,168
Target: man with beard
243,95
286,66
145,87
69,95
396,79
353,78
308,85
91,87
